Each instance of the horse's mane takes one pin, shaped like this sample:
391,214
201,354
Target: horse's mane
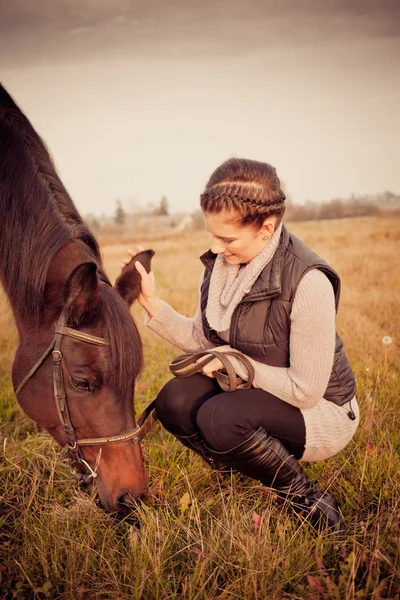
38,219
38,215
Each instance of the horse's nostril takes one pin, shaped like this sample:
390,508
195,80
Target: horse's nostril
127,502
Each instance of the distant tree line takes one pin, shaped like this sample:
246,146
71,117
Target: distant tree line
337,208
355,206
162,208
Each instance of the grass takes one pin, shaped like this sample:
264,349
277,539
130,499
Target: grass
204,535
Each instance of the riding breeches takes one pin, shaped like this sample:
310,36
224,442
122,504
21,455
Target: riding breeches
197,405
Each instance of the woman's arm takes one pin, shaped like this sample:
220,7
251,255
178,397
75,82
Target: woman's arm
312,346
183,332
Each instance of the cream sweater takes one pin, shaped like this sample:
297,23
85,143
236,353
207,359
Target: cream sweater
312,344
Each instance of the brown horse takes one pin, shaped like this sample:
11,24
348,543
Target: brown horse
51,270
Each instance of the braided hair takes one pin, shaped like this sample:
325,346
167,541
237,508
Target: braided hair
247,188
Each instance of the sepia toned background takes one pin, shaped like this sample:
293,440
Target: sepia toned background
139,101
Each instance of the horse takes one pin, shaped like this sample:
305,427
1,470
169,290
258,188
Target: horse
79,349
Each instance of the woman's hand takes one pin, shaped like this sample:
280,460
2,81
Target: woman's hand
148,297
213,365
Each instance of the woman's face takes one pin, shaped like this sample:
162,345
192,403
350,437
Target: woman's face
237,243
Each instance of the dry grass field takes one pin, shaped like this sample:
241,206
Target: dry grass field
204,536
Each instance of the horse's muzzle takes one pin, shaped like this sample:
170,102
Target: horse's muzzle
126,504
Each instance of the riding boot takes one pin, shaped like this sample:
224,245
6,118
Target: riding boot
196,443
265,458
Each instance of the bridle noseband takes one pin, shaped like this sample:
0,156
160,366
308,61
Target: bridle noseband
84,473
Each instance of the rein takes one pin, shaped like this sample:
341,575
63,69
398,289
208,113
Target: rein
85,473
189,364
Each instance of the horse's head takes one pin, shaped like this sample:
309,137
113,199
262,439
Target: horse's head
97,372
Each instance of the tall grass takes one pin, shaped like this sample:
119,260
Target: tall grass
203,534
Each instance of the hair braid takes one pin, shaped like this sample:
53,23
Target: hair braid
248,188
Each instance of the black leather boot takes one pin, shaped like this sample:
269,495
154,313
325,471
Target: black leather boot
196,443
265,458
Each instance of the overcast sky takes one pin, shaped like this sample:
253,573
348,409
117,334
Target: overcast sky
139,99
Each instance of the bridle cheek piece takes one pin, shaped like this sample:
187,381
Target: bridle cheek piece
83,471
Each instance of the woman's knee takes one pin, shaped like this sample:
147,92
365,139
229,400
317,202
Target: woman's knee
176,403
171,403
221,429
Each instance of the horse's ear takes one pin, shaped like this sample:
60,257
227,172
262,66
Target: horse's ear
81,291
128,283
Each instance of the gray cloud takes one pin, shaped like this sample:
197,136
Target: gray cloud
45,31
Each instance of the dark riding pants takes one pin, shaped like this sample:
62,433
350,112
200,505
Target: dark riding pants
227,419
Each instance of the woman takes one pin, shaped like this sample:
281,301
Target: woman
267,295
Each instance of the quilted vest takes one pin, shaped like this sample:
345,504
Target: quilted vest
260,324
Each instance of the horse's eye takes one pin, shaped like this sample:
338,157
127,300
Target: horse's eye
82,384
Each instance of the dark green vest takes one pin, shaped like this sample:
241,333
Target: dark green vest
260,324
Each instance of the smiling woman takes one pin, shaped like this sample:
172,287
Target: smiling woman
242,215
265,294
238,245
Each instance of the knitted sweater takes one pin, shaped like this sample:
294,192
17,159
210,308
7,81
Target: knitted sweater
303,383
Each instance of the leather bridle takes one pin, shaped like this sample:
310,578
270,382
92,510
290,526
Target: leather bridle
181,366
83,471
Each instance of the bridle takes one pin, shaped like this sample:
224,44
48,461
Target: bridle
182,366
83,471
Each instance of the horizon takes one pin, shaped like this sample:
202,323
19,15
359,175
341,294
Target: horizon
147,211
